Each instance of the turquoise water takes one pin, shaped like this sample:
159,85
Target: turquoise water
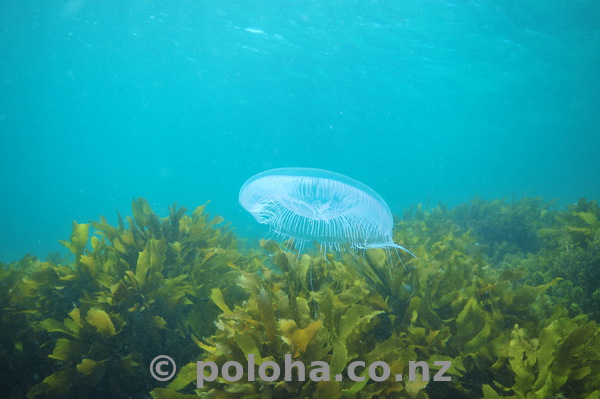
182,101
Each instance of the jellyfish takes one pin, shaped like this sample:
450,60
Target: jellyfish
316,205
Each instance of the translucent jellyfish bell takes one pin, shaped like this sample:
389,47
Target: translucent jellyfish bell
315,205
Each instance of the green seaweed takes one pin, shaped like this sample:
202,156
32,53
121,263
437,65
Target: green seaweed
129,291
505,291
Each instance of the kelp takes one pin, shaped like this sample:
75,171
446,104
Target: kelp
571,251
504,227
504,291
451,307
132,289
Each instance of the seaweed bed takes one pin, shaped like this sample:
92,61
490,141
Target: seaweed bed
506,290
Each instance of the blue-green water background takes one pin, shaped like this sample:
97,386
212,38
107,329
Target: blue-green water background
182,101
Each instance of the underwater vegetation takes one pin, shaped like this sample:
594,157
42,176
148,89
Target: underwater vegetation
506,291
89,328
